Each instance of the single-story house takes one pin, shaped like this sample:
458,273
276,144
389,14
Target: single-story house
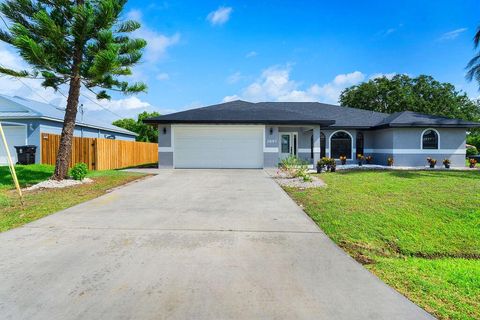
242,134
24,121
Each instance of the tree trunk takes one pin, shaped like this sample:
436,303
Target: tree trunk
66,139
65,148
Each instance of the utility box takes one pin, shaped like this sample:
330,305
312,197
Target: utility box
26,154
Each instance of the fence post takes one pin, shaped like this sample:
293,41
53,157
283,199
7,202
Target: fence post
95,154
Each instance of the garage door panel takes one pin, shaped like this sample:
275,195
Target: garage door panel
218,147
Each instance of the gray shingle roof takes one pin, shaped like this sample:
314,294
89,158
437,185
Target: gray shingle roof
415,119
27,108
304,113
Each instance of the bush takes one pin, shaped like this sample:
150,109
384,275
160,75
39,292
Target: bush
79,171
472,151
295,167
473,138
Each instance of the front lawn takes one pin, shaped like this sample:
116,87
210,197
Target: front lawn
419,231
44,202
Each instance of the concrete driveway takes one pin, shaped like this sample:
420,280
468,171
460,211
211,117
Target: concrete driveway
188,244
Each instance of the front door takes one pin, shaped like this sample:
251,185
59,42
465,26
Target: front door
288,144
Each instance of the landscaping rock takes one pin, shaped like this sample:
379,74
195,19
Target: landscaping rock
53,184
283,179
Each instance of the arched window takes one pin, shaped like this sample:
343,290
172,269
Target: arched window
323,146
359,143
341,145
430,139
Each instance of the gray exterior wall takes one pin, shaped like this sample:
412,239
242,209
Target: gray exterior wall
403,144
408,152
165,150
270,150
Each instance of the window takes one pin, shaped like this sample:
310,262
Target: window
430,139
341,145
359,143
323,145
285,143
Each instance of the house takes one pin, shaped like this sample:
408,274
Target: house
241,134
25,120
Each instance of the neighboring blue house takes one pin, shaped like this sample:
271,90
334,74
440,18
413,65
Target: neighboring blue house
242,134
24,121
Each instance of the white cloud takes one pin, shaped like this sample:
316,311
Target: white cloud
32,89
125,104
234,77
389,31
451,35
135,14
274,84
219,16
231,98
163,76
157,43
381,75
251,54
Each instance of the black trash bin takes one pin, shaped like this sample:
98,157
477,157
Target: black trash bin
26,154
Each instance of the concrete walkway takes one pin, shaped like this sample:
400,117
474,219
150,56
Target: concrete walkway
188,244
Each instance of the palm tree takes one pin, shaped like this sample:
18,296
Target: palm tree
473,65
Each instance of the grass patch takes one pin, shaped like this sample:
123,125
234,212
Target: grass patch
44,202
417,230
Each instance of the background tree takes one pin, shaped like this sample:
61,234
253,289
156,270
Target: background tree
422,94
81,43
146,133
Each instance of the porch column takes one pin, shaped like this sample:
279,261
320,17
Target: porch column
316,145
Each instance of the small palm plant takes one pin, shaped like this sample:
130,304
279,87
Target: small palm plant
446,163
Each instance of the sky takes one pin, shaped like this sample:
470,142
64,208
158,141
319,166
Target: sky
206,52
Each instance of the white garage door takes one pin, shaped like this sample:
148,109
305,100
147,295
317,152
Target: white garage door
16,136
218,146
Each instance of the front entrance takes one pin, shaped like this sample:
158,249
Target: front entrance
288,144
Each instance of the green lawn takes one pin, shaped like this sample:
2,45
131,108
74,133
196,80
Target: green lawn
44,202
419,231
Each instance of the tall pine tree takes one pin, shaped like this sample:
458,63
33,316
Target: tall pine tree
77,43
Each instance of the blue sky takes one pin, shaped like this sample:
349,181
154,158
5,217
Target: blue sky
206,52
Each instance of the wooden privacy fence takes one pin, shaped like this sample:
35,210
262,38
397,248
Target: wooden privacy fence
101,154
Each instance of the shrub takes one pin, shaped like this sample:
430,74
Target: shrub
474,138
295,167
327,162
79,171
472,151
472,162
